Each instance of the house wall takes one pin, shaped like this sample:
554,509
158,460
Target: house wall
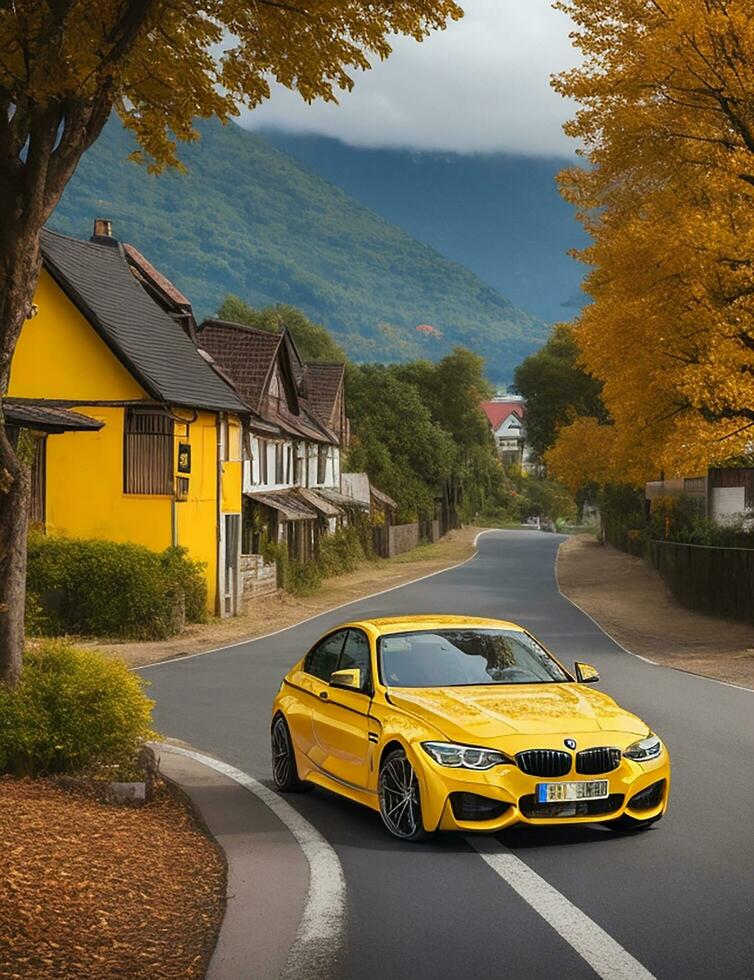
307,452
258,578
60,356
196,518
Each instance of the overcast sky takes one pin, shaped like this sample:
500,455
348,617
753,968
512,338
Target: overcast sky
481,85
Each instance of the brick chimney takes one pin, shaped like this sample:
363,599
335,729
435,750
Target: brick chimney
103,232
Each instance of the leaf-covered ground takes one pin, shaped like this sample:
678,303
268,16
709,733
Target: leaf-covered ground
89,890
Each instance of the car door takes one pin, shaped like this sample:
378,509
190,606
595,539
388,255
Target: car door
311,682
341,722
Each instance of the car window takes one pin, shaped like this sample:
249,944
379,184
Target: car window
461,657
322,660
356,654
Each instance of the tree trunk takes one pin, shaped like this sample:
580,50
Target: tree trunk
19,271
14,506
35,167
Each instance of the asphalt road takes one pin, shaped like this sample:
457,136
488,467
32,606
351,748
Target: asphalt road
679,898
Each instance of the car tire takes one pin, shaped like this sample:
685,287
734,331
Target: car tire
284,770
626,824
400,798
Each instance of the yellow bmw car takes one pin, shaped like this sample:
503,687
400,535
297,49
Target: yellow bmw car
451,723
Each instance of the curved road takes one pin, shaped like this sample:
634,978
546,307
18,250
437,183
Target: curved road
678,898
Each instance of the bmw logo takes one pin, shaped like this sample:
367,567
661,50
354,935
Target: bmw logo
570,743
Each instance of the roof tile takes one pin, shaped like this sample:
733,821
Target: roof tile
142,336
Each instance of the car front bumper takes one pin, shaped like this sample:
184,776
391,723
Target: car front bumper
510,797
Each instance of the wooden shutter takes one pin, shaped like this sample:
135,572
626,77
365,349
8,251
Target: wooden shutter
147,452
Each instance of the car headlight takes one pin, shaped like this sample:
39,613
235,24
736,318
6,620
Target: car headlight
464,756
645,749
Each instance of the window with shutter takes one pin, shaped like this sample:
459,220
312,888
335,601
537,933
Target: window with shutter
147,452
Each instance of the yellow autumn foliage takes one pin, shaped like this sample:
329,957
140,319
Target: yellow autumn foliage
666,124
162,63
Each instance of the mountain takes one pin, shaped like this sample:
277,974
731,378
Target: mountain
248,219
500,215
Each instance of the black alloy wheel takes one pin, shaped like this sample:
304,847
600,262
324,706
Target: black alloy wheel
400,799
284,770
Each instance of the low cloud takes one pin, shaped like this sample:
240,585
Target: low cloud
482,85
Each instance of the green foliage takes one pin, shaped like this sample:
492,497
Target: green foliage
184,575
453,390
396,441
74,711
279,234
88,587
520,497
682,519
556,389
547,499
339,553
314,342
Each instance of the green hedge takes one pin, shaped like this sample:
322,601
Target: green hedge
74,711
340,552
86,587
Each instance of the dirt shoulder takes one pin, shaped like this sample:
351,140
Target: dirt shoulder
630,601
100,892
278,611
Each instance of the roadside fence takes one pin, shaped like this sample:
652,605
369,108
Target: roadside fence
707,578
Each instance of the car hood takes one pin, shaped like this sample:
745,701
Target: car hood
486,713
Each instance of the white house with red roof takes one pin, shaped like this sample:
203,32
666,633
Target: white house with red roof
506,415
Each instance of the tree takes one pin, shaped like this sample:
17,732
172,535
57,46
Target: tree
314,342
453,390
666,121
556,389
396,440
583,454
65,64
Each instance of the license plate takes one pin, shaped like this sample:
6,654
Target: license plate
593,789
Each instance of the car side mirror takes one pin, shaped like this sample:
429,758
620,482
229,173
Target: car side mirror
586,674
346,678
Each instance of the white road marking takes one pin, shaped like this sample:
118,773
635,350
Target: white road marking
321,932
606,957
309,619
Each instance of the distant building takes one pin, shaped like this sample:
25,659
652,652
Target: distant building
725,494
506,414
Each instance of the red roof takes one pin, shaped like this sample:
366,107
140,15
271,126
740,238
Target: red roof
145,268
498,412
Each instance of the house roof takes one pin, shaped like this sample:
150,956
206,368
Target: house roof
498,411
153,277
152,347
286,502
322,383
383,498
247,356
29,413
341,500
243,353
315,499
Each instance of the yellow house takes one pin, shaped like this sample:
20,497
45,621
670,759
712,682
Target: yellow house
165,466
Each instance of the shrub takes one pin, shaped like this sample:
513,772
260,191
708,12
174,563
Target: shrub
341,552
187,575
74,711
89,587
545,498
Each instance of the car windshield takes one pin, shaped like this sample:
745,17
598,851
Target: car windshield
464,657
